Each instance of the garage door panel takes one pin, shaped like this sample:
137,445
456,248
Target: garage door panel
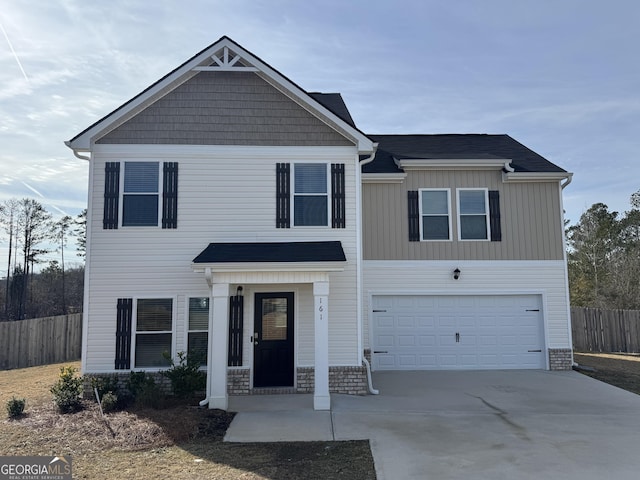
382,321
426,322
427,340
428,361
406,341
386,340
419,332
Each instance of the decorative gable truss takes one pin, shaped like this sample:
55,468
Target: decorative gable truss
226,61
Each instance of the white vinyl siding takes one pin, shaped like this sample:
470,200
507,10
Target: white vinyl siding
149,262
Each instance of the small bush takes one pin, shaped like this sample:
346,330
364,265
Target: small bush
109,402
144,390
186,377
68,390
15,407
104,384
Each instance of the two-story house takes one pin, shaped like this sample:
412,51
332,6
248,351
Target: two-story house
233,214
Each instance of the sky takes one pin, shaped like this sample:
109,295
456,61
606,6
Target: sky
560,76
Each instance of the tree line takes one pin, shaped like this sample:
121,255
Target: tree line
30,233
604,257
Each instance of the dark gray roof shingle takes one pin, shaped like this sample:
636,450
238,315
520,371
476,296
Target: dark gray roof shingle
272,252
455,146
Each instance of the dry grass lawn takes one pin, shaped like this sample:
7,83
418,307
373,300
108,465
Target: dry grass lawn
623,371
179,441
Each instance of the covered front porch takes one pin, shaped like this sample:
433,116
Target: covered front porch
280,283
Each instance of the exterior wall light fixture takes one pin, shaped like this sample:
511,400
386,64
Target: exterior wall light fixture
456,274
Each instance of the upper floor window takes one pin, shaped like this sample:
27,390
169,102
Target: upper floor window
310,194
473,214
140,194
435,208
317,191
430,212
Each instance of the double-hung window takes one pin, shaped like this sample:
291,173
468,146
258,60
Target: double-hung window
154,331
198,336
140,194
435,216
473,214
310,194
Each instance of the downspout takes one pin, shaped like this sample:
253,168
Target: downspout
367,365
567,181
208,275
372,390
87,266
75,152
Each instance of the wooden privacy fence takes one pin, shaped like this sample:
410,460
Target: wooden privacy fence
40,341
597,330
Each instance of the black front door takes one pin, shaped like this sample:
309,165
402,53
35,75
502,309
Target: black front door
273,340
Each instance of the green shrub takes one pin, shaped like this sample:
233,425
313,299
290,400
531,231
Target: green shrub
110,402
186,377
67,391
143,390
15,407
104,384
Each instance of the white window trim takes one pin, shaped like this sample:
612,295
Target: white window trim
134,329
187,331
293,194
486,214
121,193
449,213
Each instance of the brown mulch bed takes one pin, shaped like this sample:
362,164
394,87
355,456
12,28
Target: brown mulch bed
177,441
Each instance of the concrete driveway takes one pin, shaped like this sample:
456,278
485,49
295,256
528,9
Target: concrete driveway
472,425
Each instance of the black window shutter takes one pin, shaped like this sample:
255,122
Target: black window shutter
414,216
111,195
283,194
236,316
494,216
337,196
123,334
170,195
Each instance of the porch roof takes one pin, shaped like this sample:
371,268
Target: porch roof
272,252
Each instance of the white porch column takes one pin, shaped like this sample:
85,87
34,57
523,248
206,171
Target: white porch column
321,397
218,345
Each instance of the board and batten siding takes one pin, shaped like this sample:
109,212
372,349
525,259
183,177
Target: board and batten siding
546,278
530,218
225,108
216,203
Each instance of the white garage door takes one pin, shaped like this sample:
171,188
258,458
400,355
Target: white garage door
418,332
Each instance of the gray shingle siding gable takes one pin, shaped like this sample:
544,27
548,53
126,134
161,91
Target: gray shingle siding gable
225,108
